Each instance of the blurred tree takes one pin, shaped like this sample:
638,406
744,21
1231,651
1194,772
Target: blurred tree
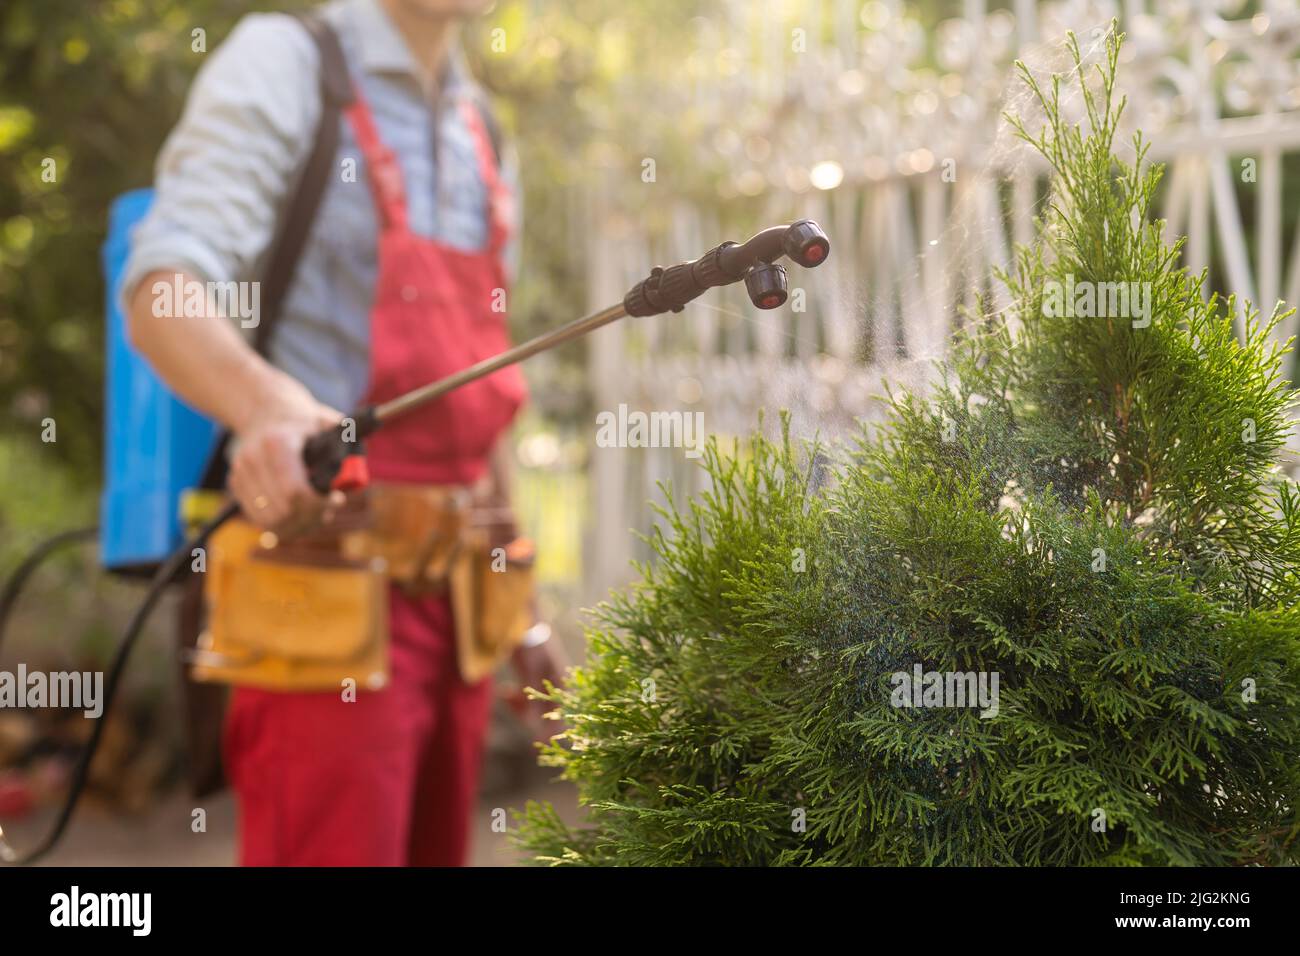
87,93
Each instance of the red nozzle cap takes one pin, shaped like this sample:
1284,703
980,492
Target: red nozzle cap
354,474
814,252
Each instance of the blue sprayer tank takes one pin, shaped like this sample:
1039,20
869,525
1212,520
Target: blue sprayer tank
155,446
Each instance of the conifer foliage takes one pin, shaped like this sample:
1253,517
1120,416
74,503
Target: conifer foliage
1086,508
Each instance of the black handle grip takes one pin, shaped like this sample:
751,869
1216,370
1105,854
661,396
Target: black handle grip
668,290
325,453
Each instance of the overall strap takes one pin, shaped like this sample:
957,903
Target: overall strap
381,165
500,199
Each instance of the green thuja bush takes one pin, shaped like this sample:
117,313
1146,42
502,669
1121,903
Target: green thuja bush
1087,506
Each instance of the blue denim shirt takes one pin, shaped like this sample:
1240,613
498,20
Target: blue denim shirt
229,168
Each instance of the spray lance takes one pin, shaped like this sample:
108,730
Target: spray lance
331,456
334,458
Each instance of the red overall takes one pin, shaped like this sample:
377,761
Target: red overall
390,779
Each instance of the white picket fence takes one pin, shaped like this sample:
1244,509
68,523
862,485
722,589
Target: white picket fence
887,108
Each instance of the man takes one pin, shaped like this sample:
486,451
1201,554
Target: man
399,282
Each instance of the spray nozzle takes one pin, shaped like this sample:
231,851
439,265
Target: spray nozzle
766,285
806,243
754,261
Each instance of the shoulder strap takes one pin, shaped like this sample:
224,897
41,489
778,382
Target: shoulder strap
294,226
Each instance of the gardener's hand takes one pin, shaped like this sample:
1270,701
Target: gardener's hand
267,475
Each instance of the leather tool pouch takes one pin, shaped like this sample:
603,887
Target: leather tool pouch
492,586
291,616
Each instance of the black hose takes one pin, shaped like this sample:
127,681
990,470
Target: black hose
18,580
166,573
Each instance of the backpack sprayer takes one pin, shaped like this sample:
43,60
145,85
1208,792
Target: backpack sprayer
334,458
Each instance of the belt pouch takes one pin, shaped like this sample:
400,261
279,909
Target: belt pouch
492,590
295,616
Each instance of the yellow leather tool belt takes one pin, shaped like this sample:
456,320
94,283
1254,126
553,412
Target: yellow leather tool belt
311,613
